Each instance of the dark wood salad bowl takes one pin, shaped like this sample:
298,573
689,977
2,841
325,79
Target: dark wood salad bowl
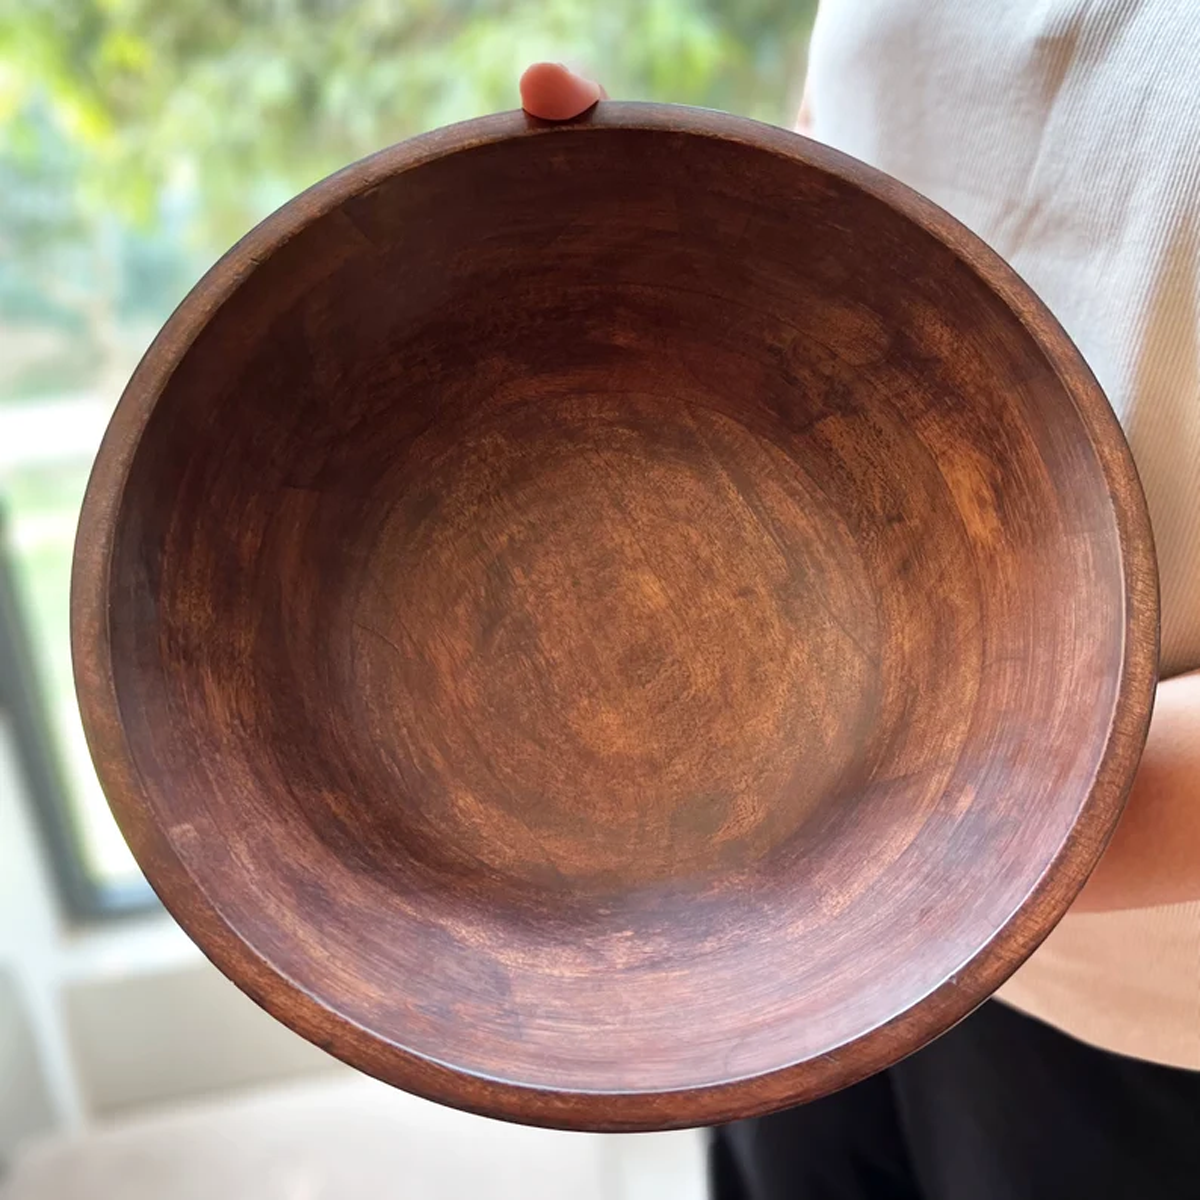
615,625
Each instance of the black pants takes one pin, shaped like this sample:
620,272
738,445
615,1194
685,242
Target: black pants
1000,1108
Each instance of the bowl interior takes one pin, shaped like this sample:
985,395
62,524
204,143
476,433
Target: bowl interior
613,610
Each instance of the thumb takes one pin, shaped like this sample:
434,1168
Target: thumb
555,93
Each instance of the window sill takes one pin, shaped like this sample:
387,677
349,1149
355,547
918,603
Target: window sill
131,946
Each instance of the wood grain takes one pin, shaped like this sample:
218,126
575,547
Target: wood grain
619,625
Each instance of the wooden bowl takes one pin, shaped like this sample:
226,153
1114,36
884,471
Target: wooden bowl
621,625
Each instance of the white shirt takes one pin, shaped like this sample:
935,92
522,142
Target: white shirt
1066,134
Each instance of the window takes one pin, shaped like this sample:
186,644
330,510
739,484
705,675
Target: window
139,140
96,873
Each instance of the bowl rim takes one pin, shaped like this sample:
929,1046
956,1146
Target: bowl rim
808,1079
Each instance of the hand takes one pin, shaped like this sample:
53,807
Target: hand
556,93
1154,856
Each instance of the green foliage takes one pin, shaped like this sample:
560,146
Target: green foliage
157,131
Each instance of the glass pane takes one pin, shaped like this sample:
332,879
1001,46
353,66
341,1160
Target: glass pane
137,141
43,502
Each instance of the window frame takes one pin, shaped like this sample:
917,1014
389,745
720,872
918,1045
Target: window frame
82,896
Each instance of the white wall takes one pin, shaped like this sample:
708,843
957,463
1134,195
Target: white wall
29,943
26,1105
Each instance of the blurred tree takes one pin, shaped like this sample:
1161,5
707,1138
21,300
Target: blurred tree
122,119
